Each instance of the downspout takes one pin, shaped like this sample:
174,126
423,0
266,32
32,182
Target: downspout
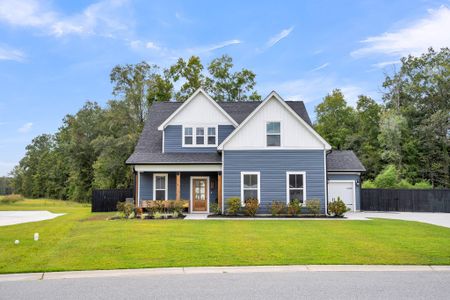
326,181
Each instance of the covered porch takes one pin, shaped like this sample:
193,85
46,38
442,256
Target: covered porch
199,185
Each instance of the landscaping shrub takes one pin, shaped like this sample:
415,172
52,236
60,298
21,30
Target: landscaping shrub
157,215
369,184
251,207
294,207
215,209
313,206
234,206
125,208
13,198
423,184
178,206
277,208
337,207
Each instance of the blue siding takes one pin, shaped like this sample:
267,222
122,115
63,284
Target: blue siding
146,185
350,177
273,165
173,136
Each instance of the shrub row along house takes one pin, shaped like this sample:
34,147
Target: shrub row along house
206,151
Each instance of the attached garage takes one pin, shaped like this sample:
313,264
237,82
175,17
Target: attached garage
345,190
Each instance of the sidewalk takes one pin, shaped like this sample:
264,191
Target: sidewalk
220,270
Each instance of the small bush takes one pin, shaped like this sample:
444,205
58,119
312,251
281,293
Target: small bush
175,214
337,208
251,207
369,184
13,198
294,207
234,206
157,215
125,208
178,206
422,185
215,209
313,206
388,178
277,208
138,211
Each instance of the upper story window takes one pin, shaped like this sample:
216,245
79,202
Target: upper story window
273,132
199,136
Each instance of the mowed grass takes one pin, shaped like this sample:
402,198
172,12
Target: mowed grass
81,240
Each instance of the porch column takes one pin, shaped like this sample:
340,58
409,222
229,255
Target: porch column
219,190
178,193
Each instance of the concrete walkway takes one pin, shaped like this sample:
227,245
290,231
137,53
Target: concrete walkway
440,219
19,217
220,270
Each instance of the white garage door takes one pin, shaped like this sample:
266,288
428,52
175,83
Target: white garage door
342,189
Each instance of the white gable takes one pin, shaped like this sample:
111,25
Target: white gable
295,134
199,109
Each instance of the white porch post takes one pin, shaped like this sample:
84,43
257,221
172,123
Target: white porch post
138,192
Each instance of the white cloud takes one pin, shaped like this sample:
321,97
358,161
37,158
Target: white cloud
151,45
210,48
383,64
25,127
100,18
7,53
430,31
323,66
279,36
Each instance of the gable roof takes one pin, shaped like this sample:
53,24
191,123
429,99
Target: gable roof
149,147
186,103
343,160
275,95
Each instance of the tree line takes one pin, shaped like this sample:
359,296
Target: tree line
409,130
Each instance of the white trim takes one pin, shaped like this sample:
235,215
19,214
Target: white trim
325,180
223,173
344,173
194,135
138,192
354,189
276,96
279,134
207,194
200,90
242,185
166,184
163,138
179,168
303,173
274,148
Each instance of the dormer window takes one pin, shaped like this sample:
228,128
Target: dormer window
273,132
200,136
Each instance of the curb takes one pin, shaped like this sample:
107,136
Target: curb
219,270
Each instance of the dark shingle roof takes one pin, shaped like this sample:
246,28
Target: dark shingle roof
343,160
149,147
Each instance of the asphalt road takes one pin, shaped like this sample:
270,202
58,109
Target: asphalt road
269,285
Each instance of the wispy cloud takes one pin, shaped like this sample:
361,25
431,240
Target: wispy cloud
383,64
213,47
7,53
430,31
100,18
279,36
138,44
25,127
323,66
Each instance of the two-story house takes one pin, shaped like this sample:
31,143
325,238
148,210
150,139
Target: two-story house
206,151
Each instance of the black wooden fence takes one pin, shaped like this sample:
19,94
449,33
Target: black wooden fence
436,200
106,200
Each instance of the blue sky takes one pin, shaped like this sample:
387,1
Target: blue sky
55,55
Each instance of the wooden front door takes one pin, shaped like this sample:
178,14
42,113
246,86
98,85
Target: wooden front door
199,194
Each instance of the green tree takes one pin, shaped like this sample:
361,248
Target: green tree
335,120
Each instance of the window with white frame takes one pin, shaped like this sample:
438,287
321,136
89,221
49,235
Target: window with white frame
188,136
249,186
211,135
273,132
199,136
296,187
160,186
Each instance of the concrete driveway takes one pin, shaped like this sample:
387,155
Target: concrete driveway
440,219
19,217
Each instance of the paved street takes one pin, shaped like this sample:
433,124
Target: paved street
246,285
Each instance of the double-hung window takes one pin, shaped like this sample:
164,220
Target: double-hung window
211,135
188,136
160,186
250,186
296,187
273,132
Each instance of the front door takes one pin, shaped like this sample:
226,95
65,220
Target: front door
199,194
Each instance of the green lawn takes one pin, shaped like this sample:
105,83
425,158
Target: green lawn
81,240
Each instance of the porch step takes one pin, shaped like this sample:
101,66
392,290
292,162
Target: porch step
196,217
